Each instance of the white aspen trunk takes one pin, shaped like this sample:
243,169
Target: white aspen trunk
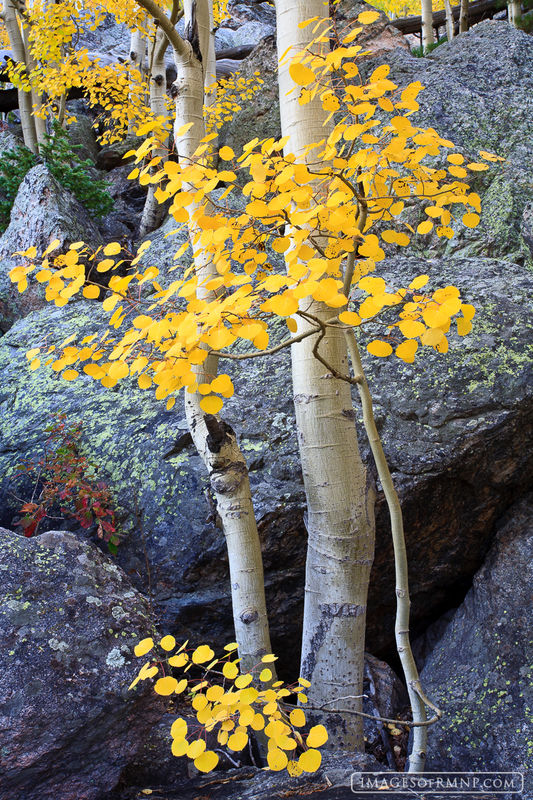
427,24
514,11
153,211
36,101
450,24
136,58
215,441
9,15
463,16
340,519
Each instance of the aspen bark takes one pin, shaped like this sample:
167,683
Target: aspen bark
29,133
514,10
427,24
450,23
463,16
340,518
137,56
215,441
153,211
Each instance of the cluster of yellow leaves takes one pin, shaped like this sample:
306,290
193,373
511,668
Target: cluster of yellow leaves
345,199
229,95
423,318
233,705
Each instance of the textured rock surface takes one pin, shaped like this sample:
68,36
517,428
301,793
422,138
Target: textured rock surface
479,94
481,671
43,210
68,623
453,429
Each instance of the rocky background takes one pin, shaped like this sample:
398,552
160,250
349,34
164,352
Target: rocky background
456,430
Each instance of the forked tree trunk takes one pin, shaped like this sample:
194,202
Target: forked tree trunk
215,441
29,133
340,516
427,24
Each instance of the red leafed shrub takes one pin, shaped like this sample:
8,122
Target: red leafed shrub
66,486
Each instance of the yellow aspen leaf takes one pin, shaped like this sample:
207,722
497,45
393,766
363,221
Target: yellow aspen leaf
258,722
432,337
94,371
318,736
196,748
214,693
477,167
419,281
301,74
367,18
51,247
178,660
32,353
110,302
265,675
202,653
199,702
425,227
211,405
277,759
223,385
165,686
411,328
222,737
182,685
457,172
207,761
143,647
379,348
91,292
261,341
230,670
112,249
455,158
238,741
372,285
294,769
105,265
226,153
406,350
179,729
35,364
269,658
310,760
179,747
144,381
297,718
443,345
70,374
464,326
171,402
281,245
350,318
470,220
434,317
133,174
231,647
168,643
243,680
292,325
468,311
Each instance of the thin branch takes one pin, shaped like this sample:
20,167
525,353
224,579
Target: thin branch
158,15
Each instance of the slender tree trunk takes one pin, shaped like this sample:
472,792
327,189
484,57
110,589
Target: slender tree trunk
36,100
9,15
215,441
137,57
340,518
450,24
153,211
463,16
427,24
514,11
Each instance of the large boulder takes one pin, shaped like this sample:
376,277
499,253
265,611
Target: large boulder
43,210
453,428
69,620
480,672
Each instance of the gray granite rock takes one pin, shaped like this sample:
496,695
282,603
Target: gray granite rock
69,621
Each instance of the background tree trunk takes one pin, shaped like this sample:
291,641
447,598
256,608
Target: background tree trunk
427,24
29,133
463,17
